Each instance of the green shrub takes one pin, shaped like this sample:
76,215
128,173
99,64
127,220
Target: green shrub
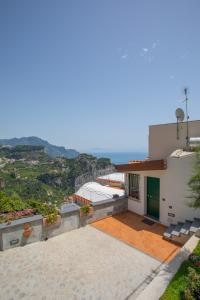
42,208
194,183
13,206
197,249
8,204
192,292
51,218
85,209
3,219
178,288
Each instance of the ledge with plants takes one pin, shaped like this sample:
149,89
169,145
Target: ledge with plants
52,219
12,208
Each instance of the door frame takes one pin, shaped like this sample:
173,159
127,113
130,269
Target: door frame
146,197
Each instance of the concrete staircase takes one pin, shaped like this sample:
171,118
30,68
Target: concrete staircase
181,232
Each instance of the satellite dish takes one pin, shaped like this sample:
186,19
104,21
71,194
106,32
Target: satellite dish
180,115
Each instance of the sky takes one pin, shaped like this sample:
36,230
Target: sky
93,75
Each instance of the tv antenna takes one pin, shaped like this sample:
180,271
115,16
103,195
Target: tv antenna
187,117
180,117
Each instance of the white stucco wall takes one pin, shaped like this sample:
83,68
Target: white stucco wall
140,206
163,138
174,191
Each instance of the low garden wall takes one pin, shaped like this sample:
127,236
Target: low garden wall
21,232
69,219
107,208
32,229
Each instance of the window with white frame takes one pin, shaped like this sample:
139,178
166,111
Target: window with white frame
134,185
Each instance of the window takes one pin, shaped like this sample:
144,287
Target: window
134,185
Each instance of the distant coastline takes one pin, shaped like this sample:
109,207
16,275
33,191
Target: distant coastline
120,157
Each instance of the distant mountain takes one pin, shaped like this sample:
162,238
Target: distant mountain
50,149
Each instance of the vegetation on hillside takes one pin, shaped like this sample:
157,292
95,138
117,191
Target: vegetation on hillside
51,150
28,172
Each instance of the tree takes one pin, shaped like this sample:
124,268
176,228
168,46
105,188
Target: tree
194,183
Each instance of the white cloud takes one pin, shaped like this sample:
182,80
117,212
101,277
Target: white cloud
123,52
171,77
144,52
148,53
124,56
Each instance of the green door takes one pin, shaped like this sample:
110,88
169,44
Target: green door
153,197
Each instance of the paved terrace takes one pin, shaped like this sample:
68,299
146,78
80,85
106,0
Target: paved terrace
82,264
130,228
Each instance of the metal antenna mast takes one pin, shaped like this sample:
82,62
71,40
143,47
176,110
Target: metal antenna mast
187,117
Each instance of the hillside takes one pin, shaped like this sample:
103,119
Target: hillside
50,149
29,172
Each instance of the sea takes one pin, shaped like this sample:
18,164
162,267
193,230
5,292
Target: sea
121,157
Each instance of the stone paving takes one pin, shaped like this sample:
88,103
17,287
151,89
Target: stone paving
82,264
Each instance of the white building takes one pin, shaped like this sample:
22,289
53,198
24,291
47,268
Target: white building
113,179
158,186
93,192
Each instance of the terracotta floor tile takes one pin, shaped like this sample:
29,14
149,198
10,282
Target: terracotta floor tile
129,228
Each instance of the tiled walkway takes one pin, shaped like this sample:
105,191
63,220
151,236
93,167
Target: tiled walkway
129,228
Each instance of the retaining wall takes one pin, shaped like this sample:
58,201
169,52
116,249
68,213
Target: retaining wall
14,234
32,229
108,208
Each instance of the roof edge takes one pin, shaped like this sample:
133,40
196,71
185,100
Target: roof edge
146,165
173,123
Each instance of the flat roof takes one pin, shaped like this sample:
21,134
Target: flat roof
174,123
95,192
113,177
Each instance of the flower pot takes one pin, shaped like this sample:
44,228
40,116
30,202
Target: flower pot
54,224
27,230
91,211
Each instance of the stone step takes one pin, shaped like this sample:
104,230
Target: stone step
168,233
177,229
186,228
195,225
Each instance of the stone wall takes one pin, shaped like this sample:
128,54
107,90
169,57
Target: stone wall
107,208
29,230
33,229
21,232
69,220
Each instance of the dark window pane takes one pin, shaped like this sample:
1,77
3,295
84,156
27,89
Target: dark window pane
134,185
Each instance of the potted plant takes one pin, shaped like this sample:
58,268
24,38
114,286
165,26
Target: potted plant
86,210
52,219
